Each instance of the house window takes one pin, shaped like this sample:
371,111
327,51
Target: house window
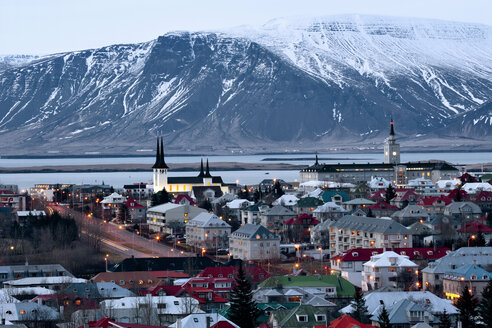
320,317
122,282
176,302
302,318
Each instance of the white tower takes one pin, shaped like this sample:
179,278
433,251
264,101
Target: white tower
391,148
160,168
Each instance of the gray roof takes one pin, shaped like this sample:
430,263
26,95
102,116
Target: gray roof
460,208
462,256
250,231
363,223
411,211
280,210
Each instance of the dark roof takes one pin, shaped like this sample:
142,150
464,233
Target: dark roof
160,163
207,171
379,166
178,180
189,265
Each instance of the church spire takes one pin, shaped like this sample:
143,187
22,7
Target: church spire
201,169
207,172
316,162
157,156
392,131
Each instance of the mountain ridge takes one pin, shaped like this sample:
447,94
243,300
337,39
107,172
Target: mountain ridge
323,85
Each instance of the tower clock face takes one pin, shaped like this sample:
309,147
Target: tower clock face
394,153
386,153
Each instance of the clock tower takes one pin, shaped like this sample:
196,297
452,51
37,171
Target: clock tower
391,148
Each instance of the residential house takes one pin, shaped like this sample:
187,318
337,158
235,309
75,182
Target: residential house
97,290
208,231
233,208
297,229
350,264
358,203
307,205
204,320
484,200
52,282
463,210
329,211
254,242
150,310
432,303
410,214
471,276
407,313
254,273
12,199
434,205
203,194
132,280
110,205
381,209
420,230
138,191
445,186
184,199
378,183
423,186
168,277
274,217
137,213
302,316
359,231
286,200
405,197
335,196
433,274
13,272
220,286
476,187
250,214
169,217
28,313
346,321
267,185
389,269
472,229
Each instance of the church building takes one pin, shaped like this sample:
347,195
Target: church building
185,184
390,169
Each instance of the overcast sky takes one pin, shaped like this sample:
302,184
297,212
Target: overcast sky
49,26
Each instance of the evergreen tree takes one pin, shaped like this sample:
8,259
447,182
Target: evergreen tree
370,214
467,306
457,197
390,194
243,310
360,312
445,320
277,189
485,307
489,219
383,318
160,197
480,241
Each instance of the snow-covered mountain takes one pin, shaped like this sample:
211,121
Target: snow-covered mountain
291,84
9,61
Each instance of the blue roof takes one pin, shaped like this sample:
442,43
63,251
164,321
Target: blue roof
327,195
468,271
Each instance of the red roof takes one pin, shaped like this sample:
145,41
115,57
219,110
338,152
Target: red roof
364,254
223,324
169,274
195,292
180,197
169,290
302,219
253,272
483,197
131,203
85,303
384,206
430,201
452,194
475,227
380,194
346,321
7,192
406,195
467,178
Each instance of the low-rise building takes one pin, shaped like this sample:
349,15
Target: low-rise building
204,320
307,205
329,211
389,269
254,242
208,231
169,217
410,214
471,276
54,283
463,210
13,272
137,212
110,205
433,274
133,280
359,231
274,217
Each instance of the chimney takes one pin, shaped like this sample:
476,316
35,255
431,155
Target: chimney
3,321
207,319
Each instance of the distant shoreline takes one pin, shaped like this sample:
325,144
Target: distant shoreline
183,167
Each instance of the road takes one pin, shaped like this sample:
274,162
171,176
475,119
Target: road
116,239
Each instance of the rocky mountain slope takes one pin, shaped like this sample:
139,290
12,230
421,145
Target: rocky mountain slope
292,84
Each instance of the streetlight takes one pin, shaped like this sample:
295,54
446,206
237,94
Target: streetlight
106,260
321,257
471,237
203,251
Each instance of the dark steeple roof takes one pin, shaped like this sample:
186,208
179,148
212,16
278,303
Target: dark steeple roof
316,161
201,169
392,131
207,172
159,156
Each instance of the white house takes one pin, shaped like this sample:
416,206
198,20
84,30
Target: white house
423,185
444,186
167,217
208,231
203,320
235,206
476,187
382,270
254,242
54,283
328,211
378,183
286,200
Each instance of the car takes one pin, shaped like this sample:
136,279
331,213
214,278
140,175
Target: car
223,251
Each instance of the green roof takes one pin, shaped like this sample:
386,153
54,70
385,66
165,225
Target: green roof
289,318
329,194
344,287
309,202
265,308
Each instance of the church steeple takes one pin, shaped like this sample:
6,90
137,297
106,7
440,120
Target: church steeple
392,130
316,162
157,156
201,169
207,172
391,147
